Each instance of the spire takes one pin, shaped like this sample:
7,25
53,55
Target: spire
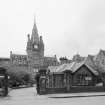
35,36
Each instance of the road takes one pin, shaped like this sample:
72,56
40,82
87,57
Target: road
28,96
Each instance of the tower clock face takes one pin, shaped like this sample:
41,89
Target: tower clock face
36,46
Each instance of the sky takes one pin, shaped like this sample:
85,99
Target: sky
68,27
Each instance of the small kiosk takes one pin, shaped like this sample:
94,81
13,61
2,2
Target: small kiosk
80,78
3,82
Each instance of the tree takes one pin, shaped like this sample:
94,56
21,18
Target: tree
19,78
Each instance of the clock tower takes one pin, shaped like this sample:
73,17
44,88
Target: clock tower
35,49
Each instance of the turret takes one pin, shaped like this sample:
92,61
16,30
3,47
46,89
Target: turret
41,43
28,37
41,40
41,46
29,44
35,46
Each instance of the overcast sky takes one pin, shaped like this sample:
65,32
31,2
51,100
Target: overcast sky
67,26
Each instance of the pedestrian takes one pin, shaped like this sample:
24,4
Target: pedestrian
37,78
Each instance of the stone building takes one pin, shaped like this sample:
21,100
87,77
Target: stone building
77,58
4,62
82,73
34,58
70,77
64,60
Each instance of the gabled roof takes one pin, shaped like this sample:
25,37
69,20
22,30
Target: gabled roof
53,68
92,70
99,60
73,67
62,67
78,65
90,61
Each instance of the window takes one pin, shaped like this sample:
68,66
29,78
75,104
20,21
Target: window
83,79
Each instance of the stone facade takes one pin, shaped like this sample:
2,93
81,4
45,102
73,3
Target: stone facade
34,58
77,58
4,62
64,60
68,77
97,62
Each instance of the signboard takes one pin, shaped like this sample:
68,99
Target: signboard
88,78
35,70
1,76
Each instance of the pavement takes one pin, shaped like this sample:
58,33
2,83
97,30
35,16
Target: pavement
28,96
77,95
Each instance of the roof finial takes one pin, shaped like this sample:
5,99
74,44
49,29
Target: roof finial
77,52
34,19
